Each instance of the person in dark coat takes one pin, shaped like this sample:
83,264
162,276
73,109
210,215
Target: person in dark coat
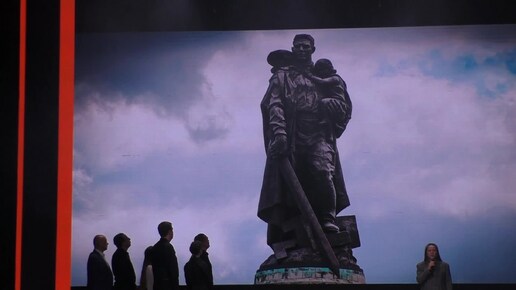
205,245
433,273
164,261
197,272
125,278
99,273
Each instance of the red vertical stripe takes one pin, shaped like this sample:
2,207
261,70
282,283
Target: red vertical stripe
65,153
21,143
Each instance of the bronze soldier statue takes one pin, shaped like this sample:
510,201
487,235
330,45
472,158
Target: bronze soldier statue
301,124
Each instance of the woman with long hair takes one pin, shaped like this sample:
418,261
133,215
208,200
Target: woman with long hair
433,273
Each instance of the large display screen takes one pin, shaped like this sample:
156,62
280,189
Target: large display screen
167,126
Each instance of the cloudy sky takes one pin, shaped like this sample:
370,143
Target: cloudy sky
168,127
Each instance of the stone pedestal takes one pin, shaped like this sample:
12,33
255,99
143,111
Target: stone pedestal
308,275
297,261
305,266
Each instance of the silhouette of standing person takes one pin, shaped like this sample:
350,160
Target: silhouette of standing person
197,271
164,261
146,277
205,245
99,273
433,273
125,278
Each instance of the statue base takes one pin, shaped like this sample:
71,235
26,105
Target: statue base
305,266
308,275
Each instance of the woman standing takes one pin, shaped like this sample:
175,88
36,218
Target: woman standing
197,272
433,273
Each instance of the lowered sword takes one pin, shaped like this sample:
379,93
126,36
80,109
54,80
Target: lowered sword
308,214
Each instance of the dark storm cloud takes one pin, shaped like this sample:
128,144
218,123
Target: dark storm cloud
162,70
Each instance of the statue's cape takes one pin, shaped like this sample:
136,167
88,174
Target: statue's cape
275,205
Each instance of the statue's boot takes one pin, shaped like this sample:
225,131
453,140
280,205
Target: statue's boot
329,227
327,221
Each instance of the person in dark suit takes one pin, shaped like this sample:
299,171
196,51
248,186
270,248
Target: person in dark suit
205,245
164,261
125,278
197,272
99,274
